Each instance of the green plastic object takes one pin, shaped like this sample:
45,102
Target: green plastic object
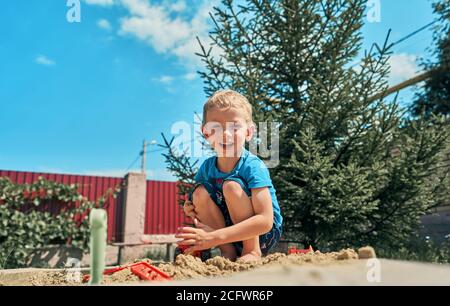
98,224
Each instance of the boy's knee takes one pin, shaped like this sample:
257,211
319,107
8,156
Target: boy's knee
200,195
231,187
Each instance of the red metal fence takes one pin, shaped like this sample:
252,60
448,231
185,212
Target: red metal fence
92,187
163,213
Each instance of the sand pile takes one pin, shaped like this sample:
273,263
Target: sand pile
189,267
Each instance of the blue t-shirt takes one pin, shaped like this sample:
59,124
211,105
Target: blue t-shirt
250,169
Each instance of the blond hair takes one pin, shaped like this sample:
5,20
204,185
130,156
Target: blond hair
228,99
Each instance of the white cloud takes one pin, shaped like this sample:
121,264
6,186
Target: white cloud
190,76
165,27
165,79
403,67
178,6
100,2
104,24
168,79
44,60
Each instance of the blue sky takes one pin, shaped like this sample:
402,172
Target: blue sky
81,97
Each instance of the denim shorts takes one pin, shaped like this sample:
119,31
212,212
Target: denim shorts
266,241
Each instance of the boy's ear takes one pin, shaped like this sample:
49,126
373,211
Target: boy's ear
251,129
204,132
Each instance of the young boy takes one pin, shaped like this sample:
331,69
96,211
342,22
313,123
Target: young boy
233,203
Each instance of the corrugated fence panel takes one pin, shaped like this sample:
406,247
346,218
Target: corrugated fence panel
92,187
163,214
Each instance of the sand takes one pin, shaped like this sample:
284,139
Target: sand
347,267
342,273
187,267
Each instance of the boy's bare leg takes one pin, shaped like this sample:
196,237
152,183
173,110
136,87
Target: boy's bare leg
209,214
241,208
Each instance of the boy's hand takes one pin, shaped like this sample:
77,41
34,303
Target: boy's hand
200,238
189,209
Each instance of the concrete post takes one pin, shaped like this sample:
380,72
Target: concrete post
134,208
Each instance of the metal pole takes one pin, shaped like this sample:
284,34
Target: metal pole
144,158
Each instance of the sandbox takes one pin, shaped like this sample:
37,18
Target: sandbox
185,267
346,267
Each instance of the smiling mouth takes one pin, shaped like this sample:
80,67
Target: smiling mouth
226,145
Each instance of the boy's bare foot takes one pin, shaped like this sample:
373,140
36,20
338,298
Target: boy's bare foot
250,256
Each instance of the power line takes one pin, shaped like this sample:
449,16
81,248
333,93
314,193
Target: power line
406,37
133,163
152,151
180,144
157,150
414,33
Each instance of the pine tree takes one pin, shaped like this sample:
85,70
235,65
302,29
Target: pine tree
181,165
435,98
353,170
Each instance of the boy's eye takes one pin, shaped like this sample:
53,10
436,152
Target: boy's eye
214,128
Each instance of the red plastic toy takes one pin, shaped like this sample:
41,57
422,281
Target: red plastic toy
142,269
294,250
149,272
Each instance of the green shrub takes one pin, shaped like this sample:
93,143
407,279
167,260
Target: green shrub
420,248
25,224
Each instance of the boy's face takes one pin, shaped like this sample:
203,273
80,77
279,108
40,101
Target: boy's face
226,131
